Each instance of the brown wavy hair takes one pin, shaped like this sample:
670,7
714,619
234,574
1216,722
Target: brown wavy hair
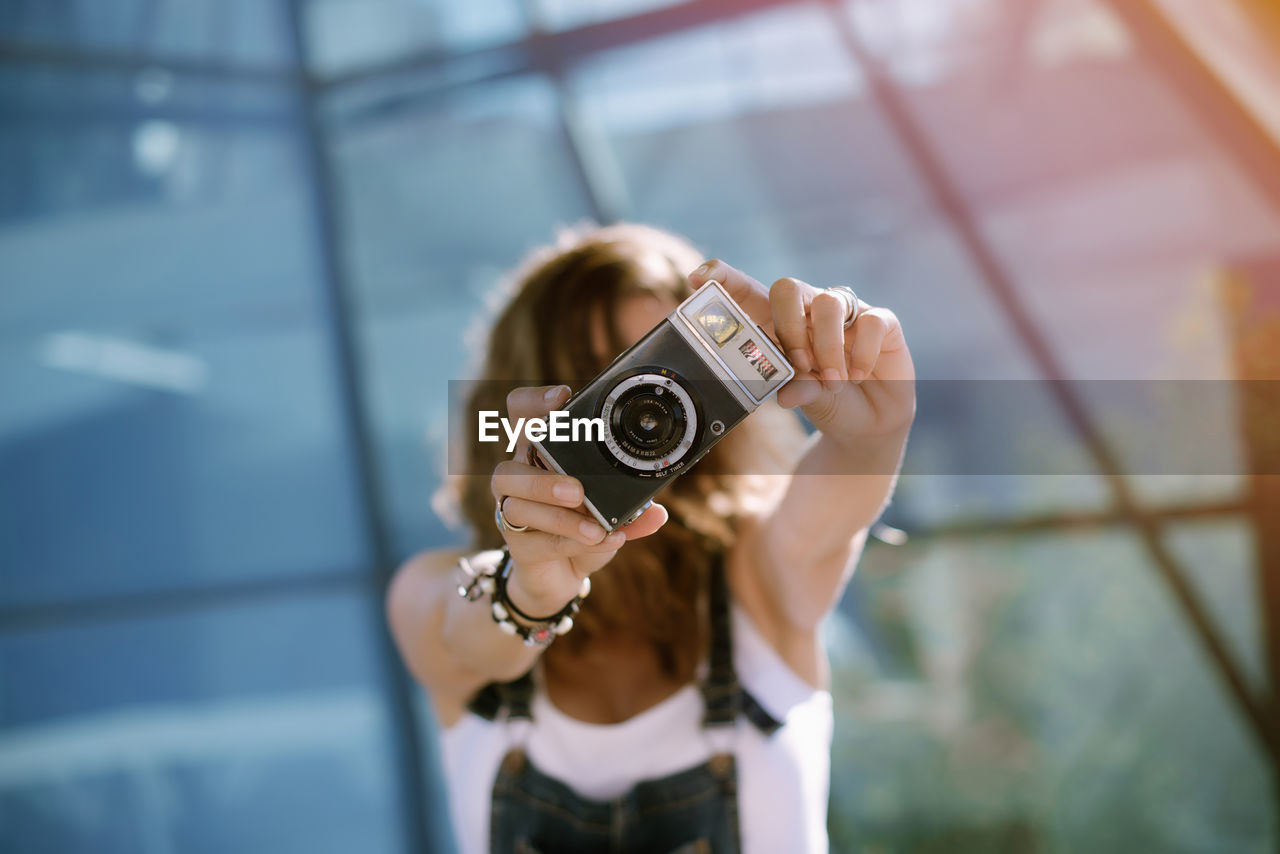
542,335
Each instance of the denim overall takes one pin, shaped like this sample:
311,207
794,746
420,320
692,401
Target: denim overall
694,811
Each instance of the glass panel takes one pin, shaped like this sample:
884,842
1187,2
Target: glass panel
1221,558
170,414
751,138
439,202
754,138
1107,199
1043,693
253,32
346,35
252,728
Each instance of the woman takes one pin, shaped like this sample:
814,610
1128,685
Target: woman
687,710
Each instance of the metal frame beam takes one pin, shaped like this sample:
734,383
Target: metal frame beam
96,59
569,45
1251,291
410,755
1221,114
156,603
1069,522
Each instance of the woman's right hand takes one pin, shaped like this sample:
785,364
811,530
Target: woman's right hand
564,543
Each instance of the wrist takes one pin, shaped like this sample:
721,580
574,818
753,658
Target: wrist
539,601
535,629
870,453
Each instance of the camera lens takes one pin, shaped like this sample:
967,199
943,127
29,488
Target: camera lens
647,422
651,423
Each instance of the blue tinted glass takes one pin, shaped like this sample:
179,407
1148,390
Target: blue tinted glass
998,676
346,35
753,137
236,31
170,415
252,728
440,201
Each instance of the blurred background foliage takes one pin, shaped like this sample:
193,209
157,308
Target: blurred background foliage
240,242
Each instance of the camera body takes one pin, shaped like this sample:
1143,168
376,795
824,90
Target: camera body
665,402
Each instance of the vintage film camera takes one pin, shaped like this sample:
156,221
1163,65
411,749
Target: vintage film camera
666,401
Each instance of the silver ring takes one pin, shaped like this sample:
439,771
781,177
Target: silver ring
500,518
851,299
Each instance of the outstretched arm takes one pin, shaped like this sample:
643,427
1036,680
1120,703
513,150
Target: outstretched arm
857,387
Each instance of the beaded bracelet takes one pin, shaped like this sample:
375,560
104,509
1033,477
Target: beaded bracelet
492,579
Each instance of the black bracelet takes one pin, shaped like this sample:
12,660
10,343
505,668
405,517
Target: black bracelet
504,577
535,631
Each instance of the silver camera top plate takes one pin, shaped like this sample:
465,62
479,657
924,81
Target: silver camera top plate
740,351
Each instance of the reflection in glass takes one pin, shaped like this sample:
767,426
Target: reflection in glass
170,414
438,205
250,728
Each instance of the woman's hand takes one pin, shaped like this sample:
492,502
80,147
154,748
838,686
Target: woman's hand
853,384
564,543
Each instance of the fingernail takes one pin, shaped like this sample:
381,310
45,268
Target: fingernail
857,375
617,538
830,375
566,492
553,395
591,531
701,271
800,359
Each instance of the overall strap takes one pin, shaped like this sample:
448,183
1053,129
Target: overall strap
487,702
515,697
721,693
723,697
520,697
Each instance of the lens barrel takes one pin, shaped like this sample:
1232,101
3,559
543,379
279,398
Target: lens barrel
650,422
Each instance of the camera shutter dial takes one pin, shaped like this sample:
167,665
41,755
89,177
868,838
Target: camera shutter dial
650,422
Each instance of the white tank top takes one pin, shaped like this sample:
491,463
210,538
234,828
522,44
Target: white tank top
783,779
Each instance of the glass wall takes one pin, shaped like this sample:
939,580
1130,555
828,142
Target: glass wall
192,653
245,245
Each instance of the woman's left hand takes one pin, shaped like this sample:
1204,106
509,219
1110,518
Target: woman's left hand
853,384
